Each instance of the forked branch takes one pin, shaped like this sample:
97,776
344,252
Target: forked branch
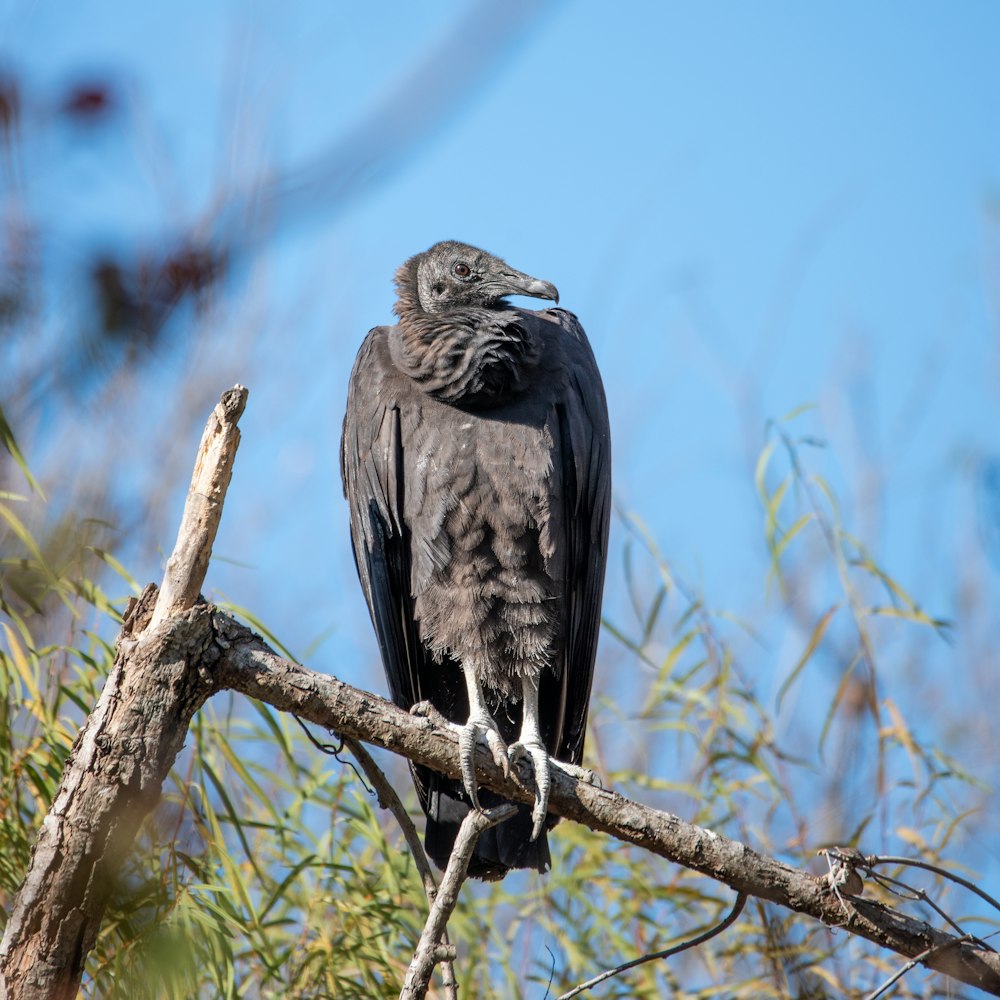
431,948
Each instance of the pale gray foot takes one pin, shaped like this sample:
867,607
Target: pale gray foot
529,745
479,729
539,757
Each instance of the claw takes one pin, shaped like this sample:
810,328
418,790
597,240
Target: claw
479,729
539,758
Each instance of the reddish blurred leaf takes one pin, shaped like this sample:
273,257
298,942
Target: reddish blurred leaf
10,102
88,101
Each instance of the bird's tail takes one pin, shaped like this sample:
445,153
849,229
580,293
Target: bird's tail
499,849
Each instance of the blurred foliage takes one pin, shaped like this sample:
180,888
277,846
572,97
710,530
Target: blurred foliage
267,871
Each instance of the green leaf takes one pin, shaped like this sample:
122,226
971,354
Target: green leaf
7,438
811,646
760,470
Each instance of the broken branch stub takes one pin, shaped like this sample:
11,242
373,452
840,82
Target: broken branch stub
213,470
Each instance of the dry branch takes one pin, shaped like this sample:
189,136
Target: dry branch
247,665
431,948
213,469
388,799
111,781
122,755
164,672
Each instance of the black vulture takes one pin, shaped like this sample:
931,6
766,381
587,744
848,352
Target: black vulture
476,462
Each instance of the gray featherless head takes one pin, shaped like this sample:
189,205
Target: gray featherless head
457,276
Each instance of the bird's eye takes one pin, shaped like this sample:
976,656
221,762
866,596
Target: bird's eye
462,269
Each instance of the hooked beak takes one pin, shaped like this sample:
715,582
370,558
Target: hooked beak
515,283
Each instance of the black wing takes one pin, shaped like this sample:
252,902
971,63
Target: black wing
584,459
371,464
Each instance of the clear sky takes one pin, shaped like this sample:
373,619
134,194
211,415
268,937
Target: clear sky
750,206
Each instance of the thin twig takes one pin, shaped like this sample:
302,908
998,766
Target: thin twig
429,949
388,799
905,968
883,859
916,896
335,750
730,919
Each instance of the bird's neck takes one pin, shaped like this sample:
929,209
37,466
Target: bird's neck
470,356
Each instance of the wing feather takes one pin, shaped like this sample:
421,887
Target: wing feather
584,461
372,472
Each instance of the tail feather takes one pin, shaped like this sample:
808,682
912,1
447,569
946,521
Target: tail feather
499,849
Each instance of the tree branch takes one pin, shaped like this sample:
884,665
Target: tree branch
657,956
388,799
430,950
201,651
123,753
247,665
111,781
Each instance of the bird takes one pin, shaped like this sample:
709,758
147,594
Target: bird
476,462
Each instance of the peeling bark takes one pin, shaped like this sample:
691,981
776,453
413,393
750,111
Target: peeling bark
111,781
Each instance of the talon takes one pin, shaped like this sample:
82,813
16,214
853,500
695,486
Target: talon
539,758
467,756
479,730
499,751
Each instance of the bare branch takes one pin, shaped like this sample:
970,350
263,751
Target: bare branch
112,779
163,673
388,799
248,666
123,753
884,859
429,949
699,939
213,469
169,671
904,891
916,960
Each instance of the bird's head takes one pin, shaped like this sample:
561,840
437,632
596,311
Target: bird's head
455,276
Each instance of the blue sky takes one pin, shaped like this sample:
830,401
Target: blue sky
750,206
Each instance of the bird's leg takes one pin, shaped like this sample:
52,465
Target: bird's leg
529,744
480,726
